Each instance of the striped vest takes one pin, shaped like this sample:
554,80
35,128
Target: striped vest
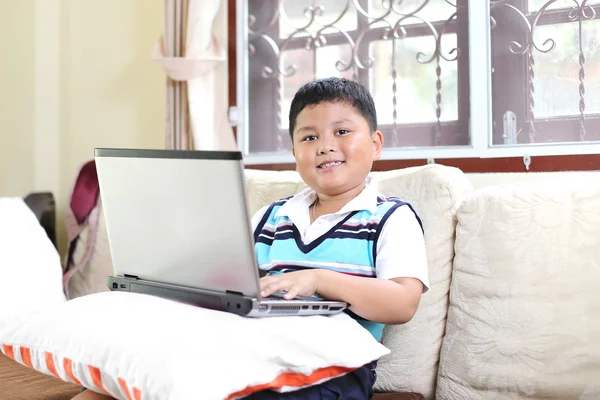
350,247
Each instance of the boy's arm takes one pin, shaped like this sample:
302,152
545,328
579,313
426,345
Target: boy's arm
401,268
387,301
392,297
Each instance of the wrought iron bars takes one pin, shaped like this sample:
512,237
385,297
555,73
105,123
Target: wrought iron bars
359,60
580,11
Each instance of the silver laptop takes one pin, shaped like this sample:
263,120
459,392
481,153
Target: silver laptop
179,227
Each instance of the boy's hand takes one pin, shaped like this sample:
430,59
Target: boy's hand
297,283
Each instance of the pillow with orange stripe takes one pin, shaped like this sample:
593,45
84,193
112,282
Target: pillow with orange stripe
133,346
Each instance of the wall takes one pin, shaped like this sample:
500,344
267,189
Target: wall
112,93
16,97
75,75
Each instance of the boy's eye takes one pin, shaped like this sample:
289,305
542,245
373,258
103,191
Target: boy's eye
342,131
309,138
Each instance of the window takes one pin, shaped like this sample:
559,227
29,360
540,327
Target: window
450,78
546,70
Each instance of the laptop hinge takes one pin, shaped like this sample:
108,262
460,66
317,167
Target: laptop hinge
234,293
130,276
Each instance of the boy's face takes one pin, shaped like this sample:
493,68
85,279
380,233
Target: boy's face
334,148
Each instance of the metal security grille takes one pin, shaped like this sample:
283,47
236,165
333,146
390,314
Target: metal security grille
542,52
415,57
408,53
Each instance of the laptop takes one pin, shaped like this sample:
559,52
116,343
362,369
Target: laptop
179,227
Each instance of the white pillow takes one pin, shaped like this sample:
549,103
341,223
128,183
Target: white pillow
29,264
138,346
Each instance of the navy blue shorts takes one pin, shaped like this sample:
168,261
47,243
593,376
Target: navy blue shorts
357,385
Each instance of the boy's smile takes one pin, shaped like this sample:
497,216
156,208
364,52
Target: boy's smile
334,147
329,166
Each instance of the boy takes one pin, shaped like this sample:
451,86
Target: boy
336,237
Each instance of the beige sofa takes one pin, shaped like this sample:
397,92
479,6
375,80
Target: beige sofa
513,310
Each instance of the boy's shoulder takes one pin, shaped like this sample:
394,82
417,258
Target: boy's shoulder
390,203
381,198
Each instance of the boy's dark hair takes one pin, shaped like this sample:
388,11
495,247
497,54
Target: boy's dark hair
333,90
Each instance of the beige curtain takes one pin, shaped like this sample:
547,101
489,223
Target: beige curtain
196,111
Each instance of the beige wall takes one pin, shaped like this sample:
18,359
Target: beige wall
75,75
16,97
112,93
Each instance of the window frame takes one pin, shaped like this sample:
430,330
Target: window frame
491,157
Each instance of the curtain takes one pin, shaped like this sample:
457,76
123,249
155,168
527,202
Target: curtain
189,52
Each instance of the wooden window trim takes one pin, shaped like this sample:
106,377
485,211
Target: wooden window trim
589,162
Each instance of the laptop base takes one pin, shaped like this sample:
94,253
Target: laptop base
229,302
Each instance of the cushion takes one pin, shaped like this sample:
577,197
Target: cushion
29,264
133,346
524,303
436,192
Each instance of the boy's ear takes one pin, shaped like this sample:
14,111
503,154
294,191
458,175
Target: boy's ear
377,144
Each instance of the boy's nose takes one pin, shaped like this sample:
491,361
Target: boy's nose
325,150
326,146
